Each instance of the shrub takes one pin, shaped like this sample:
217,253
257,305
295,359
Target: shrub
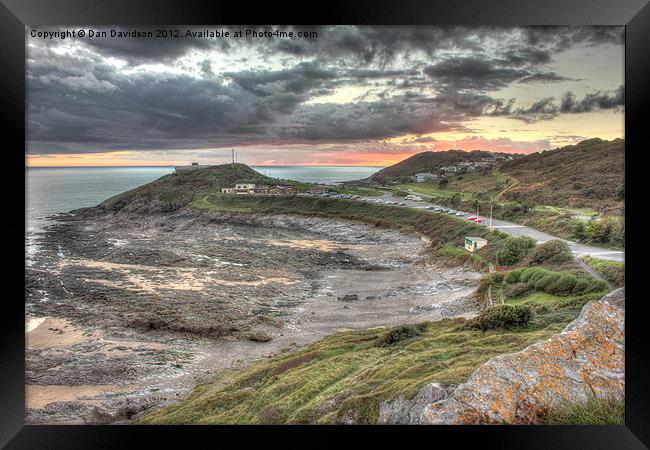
536,276
528,273
515,290
581,286
513,249
544,282
496,278
401,333
512,276
503,317
551,252
563,285
597,286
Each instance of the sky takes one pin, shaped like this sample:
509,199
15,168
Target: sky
346,95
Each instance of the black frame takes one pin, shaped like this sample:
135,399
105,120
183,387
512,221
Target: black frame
634,14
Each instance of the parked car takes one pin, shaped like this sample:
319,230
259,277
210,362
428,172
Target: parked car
402,204
478,220
460,213
431,207
471,218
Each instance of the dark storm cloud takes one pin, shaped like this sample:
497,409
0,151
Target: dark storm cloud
561,38
473,73
483,74
548,108
594,101
417,80
368,120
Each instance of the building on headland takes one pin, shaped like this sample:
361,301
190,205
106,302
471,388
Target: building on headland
244,188
472,244
424,176
192,166
252,189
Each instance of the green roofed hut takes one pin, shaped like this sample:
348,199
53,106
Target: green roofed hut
472,244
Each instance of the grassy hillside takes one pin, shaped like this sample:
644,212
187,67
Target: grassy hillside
588,174
425,162
176,190
349,374
585,178
558,191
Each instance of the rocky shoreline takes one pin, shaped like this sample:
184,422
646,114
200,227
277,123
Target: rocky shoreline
129,312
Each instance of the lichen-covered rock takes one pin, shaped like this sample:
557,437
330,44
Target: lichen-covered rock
584,360
403,410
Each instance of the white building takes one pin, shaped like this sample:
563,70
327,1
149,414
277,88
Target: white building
472,244
244,188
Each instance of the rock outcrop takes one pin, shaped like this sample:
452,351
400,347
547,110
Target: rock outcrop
586,359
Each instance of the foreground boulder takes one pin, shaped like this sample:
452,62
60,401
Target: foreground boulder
584,360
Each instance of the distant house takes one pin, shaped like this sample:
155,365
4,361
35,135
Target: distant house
472,244
192,166
421,177
252,189
244,188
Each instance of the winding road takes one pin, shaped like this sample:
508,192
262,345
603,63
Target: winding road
514,229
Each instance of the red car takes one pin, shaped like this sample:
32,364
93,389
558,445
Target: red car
477,220
471,218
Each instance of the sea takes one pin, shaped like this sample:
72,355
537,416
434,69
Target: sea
53,190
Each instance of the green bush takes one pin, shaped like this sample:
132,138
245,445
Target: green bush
597,286
581,286
496,278
551,252
563,285
528,273
502,317
513,276
515,290
513,249
401,333
544,282
536,276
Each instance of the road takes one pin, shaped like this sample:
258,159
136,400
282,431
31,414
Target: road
579,250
